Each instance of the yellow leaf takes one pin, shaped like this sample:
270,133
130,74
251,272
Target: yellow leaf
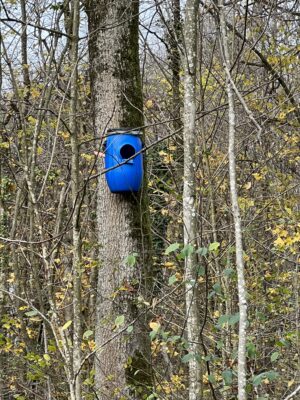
257,177
169,264
35,93
31,119
64,135
172,148
246,257
290,383
47,357
162,153
66,325
279,242
149,103
11,278
281,116
154,326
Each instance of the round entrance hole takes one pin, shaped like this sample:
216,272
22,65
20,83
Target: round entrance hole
127,151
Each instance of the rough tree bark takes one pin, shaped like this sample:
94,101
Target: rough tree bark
189,197
122,363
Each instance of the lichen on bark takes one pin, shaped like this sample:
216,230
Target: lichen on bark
123,220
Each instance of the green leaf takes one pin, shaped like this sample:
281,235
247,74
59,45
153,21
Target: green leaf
227,376
131,259
187,250
274,356
173,247
202,251
223,319
261,316
66,325
217,288
187,357
228,272
211,378
251,350
87,334
152,396
152,335
129,329
272,375
257,379
172,279
234,319
201,270
31,313
213,246
119,321
220,344
174,338
47,357
282,342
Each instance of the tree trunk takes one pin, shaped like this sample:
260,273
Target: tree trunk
242,394
75,176
122,363
189,198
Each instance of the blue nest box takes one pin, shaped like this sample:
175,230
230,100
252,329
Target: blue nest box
121,145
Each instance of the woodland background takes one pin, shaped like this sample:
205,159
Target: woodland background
48,303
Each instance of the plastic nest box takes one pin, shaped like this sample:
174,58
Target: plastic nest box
121,145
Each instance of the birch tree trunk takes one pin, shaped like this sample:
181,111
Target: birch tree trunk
189,197
242,395
122,362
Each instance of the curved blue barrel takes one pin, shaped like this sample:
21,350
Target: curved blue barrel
120,146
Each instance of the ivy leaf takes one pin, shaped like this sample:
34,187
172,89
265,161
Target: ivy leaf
223,319
201,270
274,356
131,259
186,358
234,319
272,375
119,321
173,247
217,288
129,329
251,350
187,250
228,272
172,279
213,246
257,379
202,251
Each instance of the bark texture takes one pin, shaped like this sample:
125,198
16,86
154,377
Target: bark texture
75,185
189,197
122,364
